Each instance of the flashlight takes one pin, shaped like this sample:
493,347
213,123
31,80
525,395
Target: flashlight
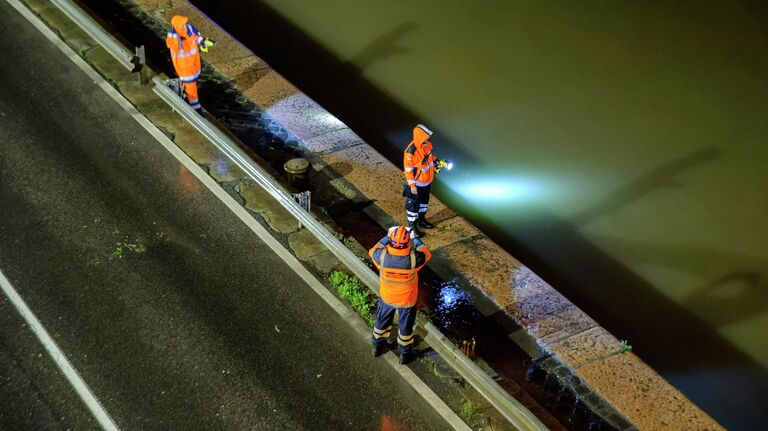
443,164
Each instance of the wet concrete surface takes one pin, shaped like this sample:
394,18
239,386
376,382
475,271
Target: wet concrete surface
174,313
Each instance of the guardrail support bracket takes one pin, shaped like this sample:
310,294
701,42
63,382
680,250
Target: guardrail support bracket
140,65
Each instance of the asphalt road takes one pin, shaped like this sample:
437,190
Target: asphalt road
173,312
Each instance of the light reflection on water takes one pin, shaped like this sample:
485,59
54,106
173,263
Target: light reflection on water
454,308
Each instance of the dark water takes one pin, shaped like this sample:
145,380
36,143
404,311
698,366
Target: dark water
618,149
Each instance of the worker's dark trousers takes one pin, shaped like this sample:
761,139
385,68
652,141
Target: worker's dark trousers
406,317
415,208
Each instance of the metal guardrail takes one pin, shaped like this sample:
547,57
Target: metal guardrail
90,26
265,180
511,409
517,414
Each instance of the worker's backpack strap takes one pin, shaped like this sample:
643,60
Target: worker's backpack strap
381,258
413,260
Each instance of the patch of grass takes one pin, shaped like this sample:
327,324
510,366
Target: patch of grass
468,411
118,252
625,346
121,247
356,293
430,364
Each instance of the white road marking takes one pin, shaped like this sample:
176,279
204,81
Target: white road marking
345,312
58,356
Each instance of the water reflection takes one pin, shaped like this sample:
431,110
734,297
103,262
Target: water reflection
454,308
189,184
495,189
388,423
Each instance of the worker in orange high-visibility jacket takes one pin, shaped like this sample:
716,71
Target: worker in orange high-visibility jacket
185,43
419,168
398,265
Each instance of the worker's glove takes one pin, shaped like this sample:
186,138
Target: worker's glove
206,43
414,191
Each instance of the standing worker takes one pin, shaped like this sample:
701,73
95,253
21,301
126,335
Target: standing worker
183,39
398,268
419,168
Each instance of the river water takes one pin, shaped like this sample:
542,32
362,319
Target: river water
620,149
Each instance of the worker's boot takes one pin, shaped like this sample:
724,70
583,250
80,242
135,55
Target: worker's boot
378,349
422,221
407,356
414,230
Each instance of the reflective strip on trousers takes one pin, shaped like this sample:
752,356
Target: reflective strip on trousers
190,78
405,340
382,333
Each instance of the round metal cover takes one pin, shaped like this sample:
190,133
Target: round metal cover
296,166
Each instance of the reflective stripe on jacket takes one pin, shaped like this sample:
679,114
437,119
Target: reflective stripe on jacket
418,161
182,40
398,272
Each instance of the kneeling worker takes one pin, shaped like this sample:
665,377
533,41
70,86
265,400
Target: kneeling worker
185,42
398,268
419,168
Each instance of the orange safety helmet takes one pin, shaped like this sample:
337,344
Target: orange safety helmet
399,237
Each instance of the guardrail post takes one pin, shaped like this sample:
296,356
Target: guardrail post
304,199
140,63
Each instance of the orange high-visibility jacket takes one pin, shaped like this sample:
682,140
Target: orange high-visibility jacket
398,271
418,161
183,39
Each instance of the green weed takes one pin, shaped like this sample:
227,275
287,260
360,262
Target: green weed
430,365
625,346
468,411
118,252
122,246
357,294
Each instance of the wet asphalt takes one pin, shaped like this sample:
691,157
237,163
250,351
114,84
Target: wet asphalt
174,313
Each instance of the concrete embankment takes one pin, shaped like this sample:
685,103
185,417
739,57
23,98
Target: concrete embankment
576,343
